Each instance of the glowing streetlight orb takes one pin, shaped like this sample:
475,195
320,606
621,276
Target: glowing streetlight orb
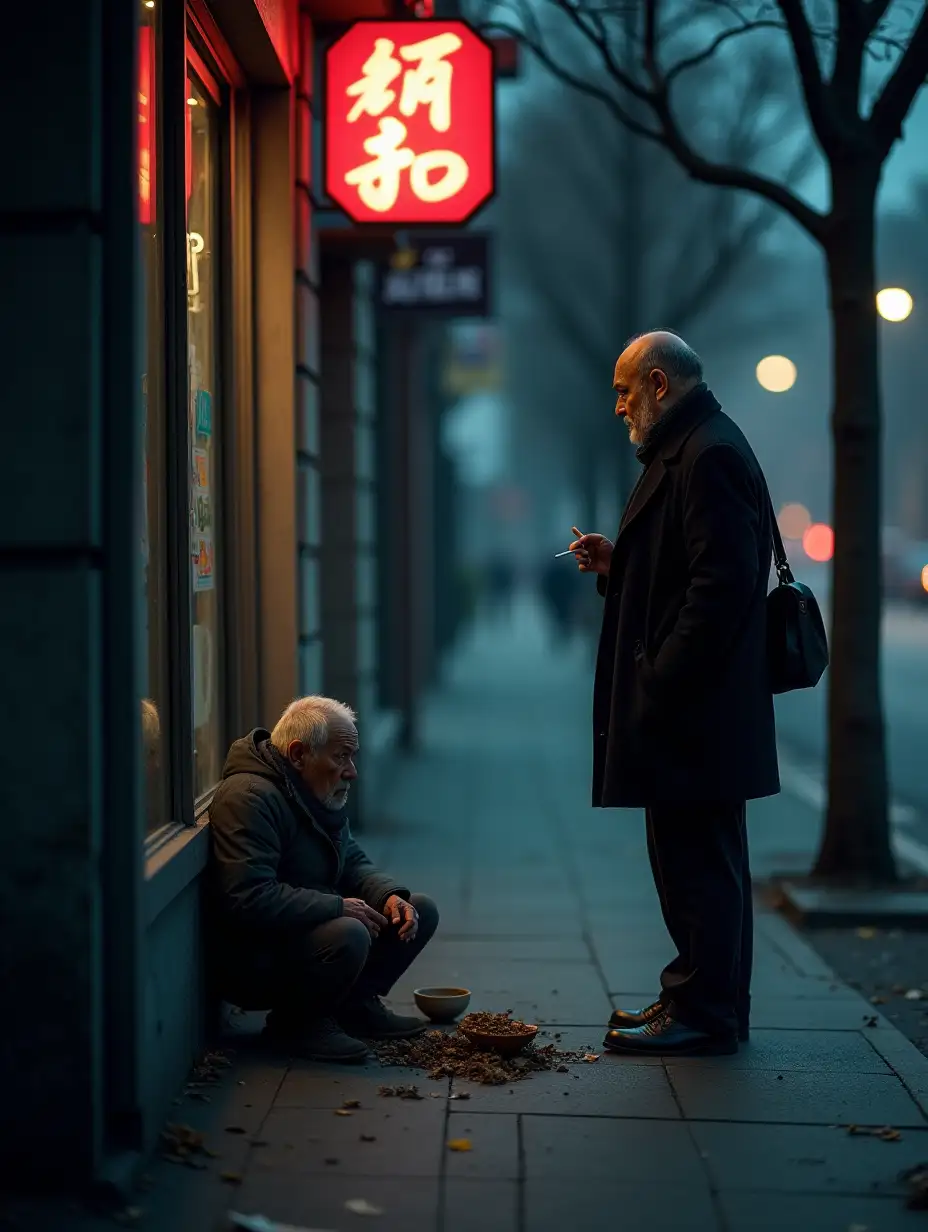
925,578
893,303
776,374
794,521
818,543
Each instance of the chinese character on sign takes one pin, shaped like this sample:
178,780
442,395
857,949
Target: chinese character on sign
409,122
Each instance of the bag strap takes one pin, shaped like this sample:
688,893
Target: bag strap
780,562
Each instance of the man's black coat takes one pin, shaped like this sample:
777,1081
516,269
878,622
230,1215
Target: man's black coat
682,707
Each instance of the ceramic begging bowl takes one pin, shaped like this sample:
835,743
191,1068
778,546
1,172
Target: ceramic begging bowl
442,1004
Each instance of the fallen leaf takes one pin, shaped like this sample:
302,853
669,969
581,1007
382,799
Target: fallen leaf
866,934
591,1057
342,1112
460,1144
361,1206
351,1103
368,1138
877,1000
235,1129
460,1095
231,1178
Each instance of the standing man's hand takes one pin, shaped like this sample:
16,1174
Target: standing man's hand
402,915
593,552
357,909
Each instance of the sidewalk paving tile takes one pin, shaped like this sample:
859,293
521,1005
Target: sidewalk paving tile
328,1087
319,1202
775,1212
593,1205
495,1142
645,1153
840,1052
805,1158
711,1093
481,1206
611,1087
407,1140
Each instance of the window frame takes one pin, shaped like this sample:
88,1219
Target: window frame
192,43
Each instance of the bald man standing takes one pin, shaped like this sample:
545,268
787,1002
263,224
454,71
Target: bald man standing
683,720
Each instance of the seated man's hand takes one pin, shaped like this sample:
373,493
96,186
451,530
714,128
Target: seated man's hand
403,914
357,909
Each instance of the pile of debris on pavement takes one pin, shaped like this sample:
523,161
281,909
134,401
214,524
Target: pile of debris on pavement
445,1055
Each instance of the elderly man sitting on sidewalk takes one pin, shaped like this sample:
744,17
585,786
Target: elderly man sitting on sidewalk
304,923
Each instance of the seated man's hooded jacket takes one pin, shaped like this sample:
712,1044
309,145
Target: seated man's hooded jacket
280,859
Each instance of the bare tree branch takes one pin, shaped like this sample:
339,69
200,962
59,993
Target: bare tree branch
669,134
728,176
807,64
694,61
892,106
581,84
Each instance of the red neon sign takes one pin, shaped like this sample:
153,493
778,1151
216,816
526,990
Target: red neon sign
409,122
146,126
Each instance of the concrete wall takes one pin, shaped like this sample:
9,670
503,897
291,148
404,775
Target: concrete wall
70,618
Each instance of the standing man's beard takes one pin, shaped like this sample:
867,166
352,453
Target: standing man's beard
644,422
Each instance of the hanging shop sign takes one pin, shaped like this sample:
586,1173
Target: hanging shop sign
409,122
448,274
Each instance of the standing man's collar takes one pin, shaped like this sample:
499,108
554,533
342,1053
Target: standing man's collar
675,425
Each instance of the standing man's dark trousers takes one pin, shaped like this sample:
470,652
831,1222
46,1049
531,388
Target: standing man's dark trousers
699,858
327,970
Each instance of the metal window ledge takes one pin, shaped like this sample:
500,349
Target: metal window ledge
174,860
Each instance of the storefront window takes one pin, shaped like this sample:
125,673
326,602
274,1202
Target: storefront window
202,174
153,522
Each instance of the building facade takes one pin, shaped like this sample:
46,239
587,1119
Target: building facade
189,380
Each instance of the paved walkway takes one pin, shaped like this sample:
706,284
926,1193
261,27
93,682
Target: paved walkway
548,909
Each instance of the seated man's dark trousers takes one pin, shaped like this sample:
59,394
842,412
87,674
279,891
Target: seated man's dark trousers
306,974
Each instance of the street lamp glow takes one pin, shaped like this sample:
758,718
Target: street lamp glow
893,303
819,543
794,521
776,374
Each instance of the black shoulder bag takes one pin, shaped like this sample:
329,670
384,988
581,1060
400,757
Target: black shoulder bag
797,647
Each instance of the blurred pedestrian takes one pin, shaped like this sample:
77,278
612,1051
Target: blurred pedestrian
304,923
683,718
500,585
558,592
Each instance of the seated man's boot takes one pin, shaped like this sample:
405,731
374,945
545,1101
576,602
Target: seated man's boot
628,1019
369,1018
319,1039
663,1035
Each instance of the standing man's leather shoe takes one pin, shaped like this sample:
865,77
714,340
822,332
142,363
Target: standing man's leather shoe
664,1036
624,1020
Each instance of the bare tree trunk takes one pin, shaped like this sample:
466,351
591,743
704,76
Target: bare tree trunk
856,843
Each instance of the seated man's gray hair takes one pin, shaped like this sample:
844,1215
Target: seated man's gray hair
307,719
671,355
